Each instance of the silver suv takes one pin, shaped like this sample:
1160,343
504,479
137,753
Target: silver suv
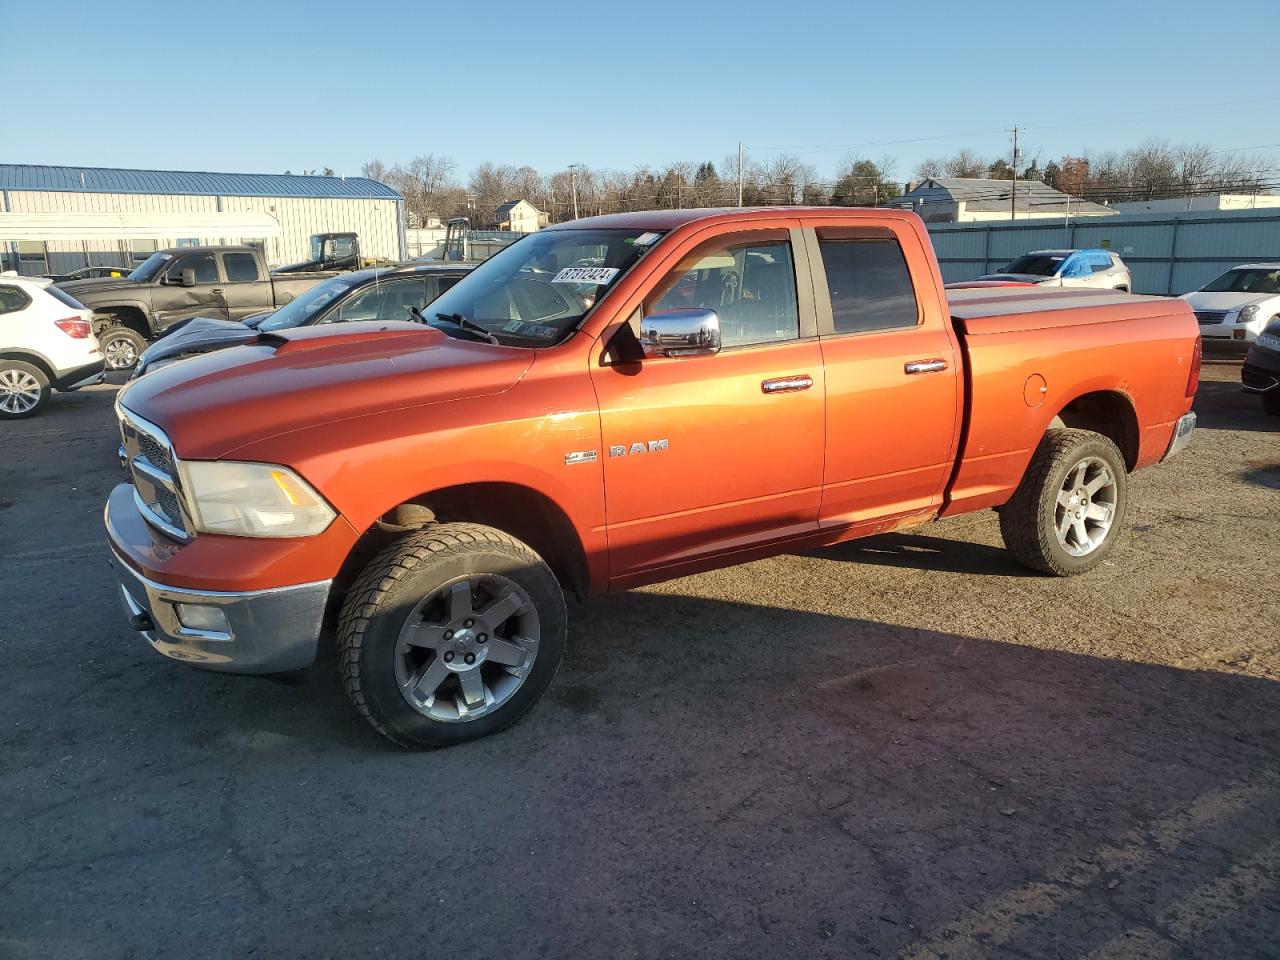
1096,268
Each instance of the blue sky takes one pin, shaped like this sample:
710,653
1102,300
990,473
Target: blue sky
265,87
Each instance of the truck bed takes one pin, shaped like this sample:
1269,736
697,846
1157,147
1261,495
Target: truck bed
1002,309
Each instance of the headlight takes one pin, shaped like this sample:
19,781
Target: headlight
252,500
1247,313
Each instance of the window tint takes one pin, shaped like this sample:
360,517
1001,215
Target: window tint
445,283
386,300
870,285
202,263
11,299
751,284
240,267
64,298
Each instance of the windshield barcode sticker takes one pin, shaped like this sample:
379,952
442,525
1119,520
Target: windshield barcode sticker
596,275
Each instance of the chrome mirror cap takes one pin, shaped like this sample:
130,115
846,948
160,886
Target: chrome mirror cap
680,333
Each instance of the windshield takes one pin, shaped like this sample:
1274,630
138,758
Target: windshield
299,311
538,289
317,248
1038,264
1245,281
149,268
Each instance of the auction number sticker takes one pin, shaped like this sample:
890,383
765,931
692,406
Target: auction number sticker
596,275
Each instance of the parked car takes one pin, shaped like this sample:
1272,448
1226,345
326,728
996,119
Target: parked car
46,343
1261,371
982,284
91,273
377,294
720,395
1238,305
1096,268
226,283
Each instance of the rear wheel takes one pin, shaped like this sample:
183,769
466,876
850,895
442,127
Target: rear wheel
449,634
1064,517
24,389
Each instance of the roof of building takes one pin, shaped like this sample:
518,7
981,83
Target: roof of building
980,194
24,176
511,205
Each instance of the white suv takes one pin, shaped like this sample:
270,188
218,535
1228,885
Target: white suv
45,343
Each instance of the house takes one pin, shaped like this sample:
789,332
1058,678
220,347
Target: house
969,199
520,216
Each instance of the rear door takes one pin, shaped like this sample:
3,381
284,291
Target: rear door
893,385
707,455
247,290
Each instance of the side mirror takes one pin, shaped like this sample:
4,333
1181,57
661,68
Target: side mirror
188,278
680,333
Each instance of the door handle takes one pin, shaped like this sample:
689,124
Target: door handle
925,366
216,290
787,384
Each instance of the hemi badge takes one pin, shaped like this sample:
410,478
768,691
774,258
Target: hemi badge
579,456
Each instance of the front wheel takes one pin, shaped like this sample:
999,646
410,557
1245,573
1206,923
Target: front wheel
450,634
1064,516
121,347
24,389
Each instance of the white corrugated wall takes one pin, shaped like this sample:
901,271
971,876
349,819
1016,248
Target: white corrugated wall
376,220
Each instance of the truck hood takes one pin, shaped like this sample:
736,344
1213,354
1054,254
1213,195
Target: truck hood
77,288
199,335
213,403
1226,300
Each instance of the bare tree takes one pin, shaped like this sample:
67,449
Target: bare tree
374,170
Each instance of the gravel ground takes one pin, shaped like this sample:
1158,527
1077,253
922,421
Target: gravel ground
905,746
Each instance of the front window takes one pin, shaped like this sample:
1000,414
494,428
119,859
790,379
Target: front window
203,264
302,309
534,292
1245,281
150,268
1037,264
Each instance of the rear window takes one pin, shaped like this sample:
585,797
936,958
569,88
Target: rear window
869,284
11,299
65,298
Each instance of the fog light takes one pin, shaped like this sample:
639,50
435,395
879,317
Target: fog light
1237,334
202,616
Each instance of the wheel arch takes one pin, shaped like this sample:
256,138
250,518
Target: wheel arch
519,510
132,315
35,359
1108,412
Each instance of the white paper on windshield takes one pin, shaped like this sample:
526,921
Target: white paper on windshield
645,239
596,275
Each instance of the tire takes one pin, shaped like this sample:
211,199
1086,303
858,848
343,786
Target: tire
24,389
121,346
1045,503
1271,402
418,611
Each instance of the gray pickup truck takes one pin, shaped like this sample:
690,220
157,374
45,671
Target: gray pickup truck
222,283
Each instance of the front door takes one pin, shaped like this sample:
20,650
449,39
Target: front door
171,301
707,455
893,374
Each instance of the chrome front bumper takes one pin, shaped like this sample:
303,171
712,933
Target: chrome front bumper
1181,435
260,631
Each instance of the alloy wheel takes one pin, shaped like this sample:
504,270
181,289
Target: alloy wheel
1085,507
19,391
467,648
120,353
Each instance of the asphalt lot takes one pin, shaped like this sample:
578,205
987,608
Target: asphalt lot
906,746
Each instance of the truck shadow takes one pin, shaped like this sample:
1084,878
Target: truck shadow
923,552
1222,405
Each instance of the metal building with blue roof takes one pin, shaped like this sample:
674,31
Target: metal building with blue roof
56,219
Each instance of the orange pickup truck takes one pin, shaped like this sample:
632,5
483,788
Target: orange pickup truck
613,402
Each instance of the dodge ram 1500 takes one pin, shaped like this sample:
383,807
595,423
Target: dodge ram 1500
607,403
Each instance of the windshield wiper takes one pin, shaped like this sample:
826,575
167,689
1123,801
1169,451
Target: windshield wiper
461,321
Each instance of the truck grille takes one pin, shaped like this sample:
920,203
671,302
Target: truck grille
153,468
1210,316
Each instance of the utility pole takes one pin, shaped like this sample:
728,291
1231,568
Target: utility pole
1013,193
739,173
573,187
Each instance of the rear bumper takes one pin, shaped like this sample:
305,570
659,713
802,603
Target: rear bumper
1182,431
82,376
1261,371
260,631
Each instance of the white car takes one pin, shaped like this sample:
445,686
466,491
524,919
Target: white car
1239,304
46,343
1094,268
